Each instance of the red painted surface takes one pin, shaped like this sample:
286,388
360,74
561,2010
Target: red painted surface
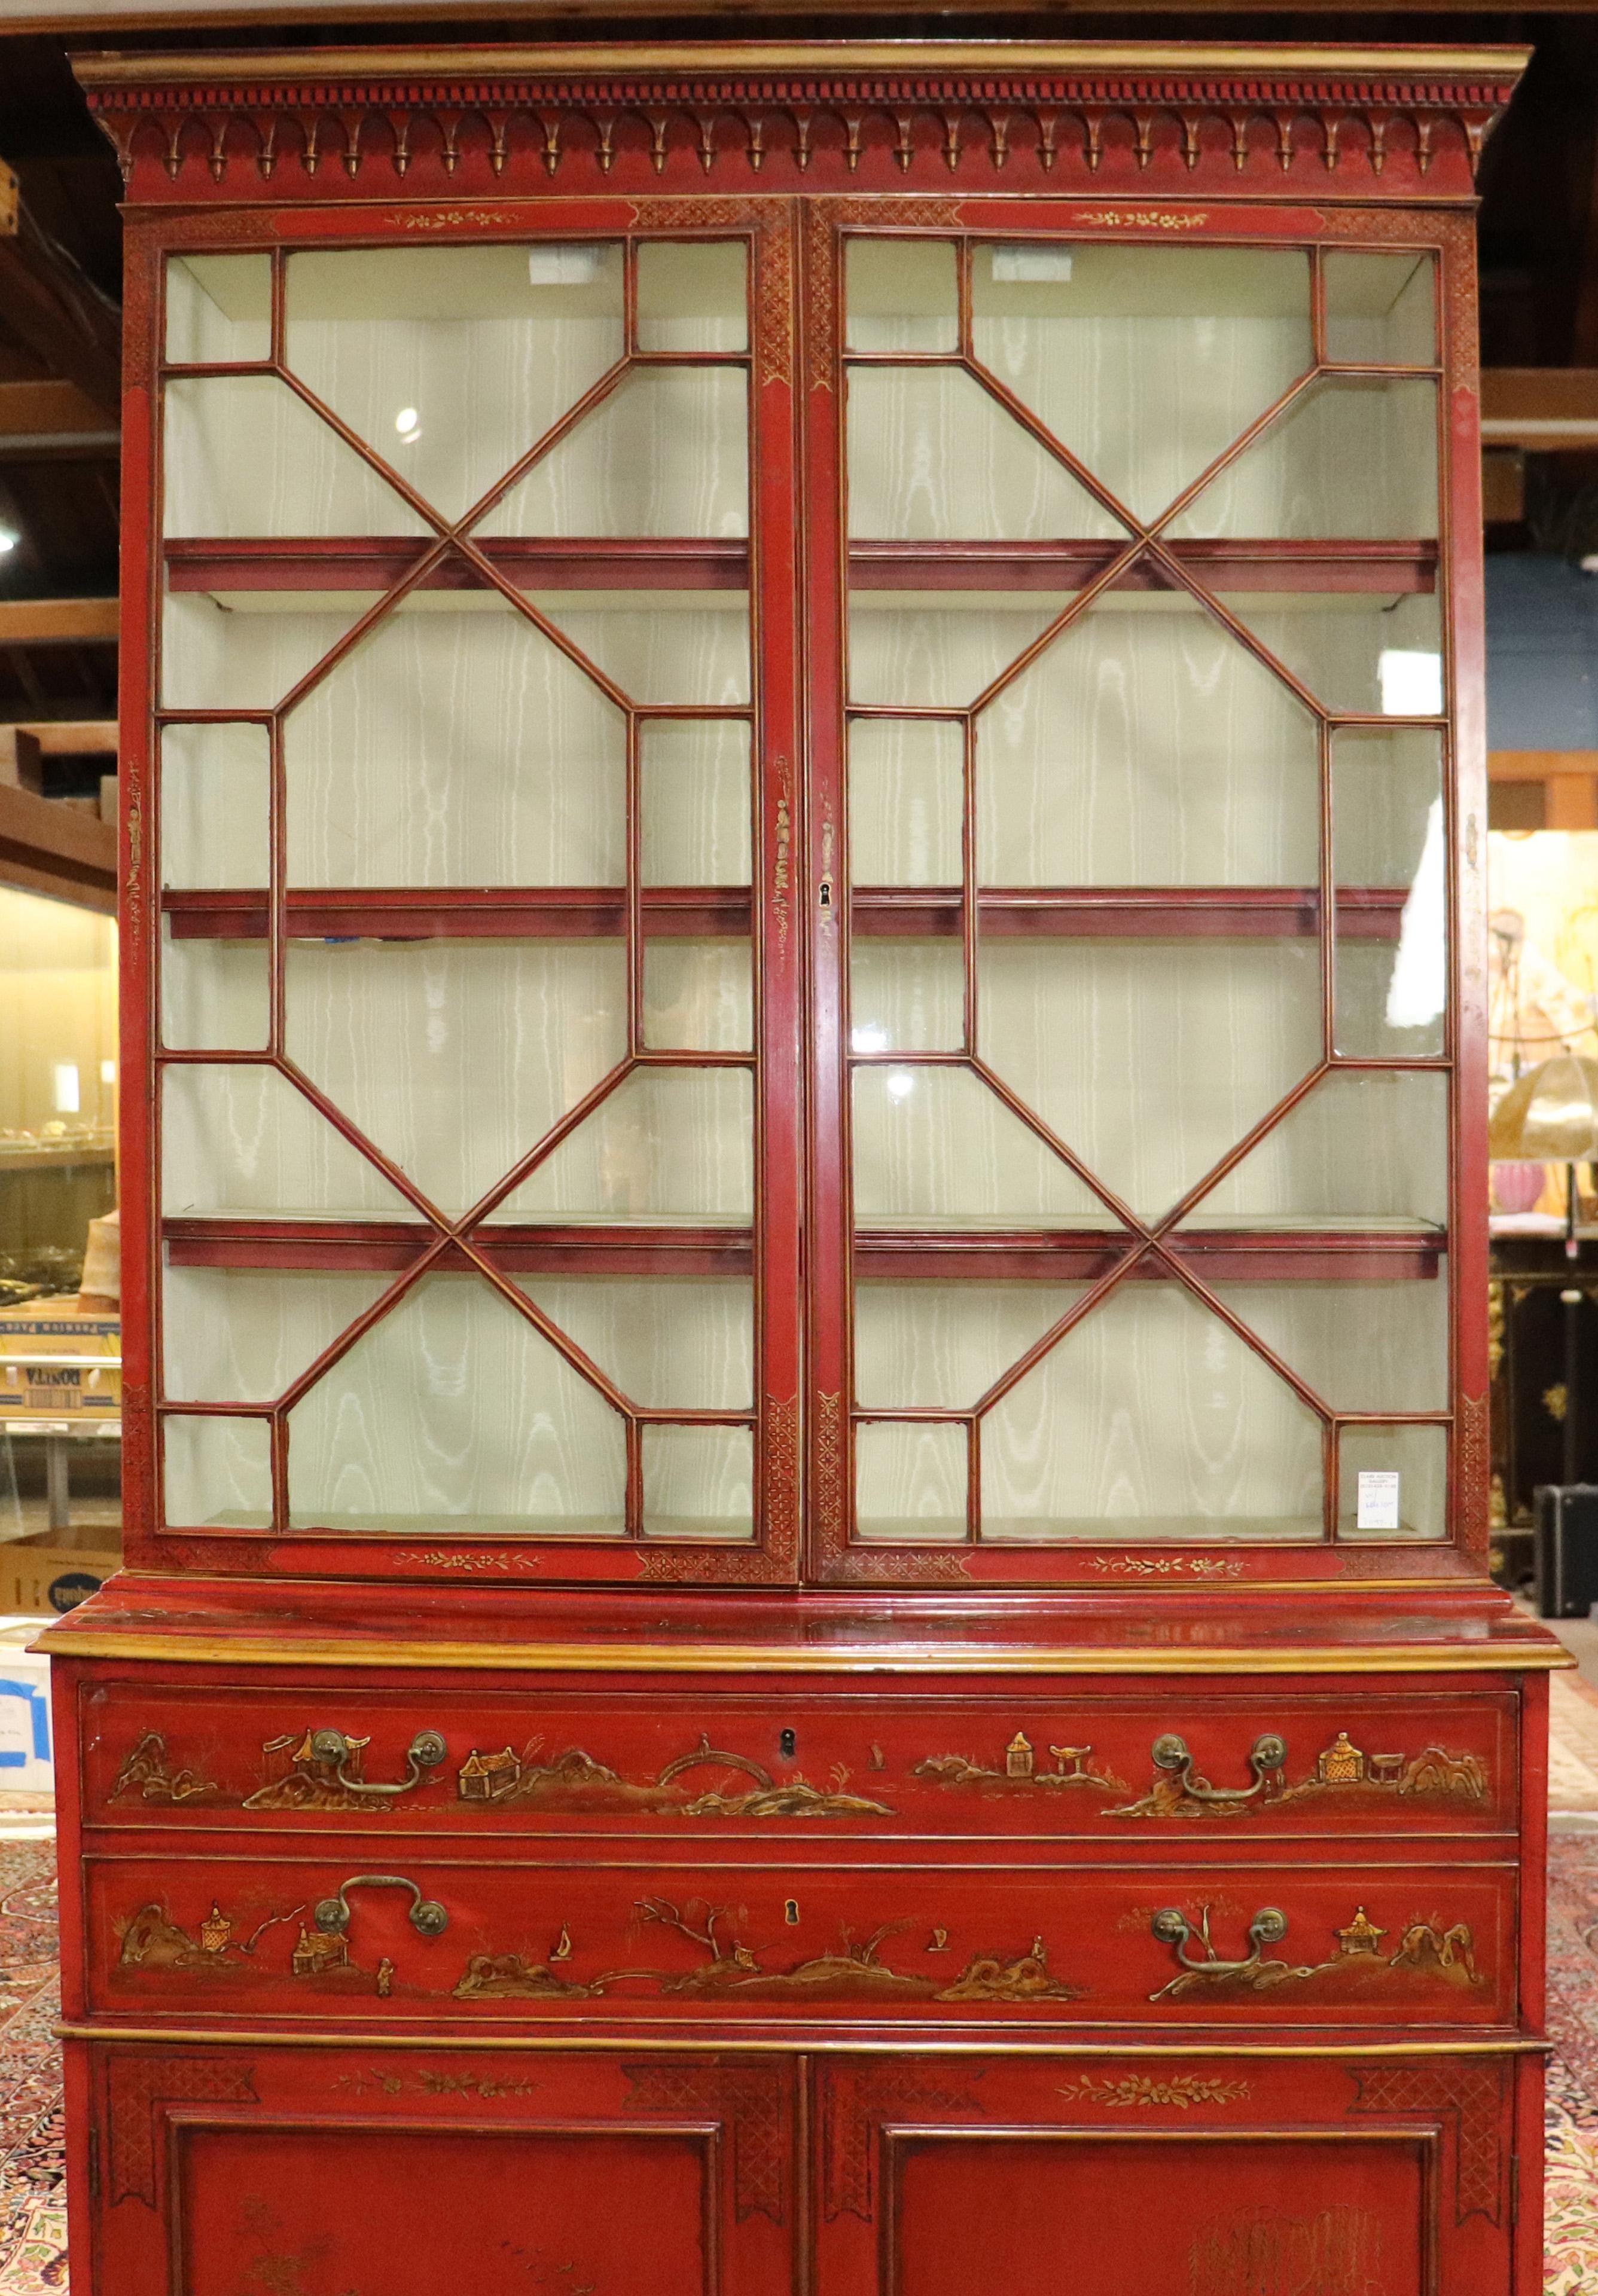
783,1971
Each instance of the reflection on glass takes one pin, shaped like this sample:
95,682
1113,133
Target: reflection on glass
451,361
933,458
215,794
900,295
1150,1059
217,1474
1359,1150
215,996
904,801
1386,782
694,778
665,453
1146,746
1145,362
1381,309
456,745
245,1334
1396,1479
1364,653
238,1140
666,1144
454,1411
1350,459
245,457
501,1038
1362,1346
219,309
938,1148
1152,1419
910,1482
698,1482
698,995
693,295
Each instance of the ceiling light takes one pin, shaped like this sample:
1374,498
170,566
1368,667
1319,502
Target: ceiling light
8,540
900,1083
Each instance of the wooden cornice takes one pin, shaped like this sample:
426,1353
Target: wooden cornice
999,116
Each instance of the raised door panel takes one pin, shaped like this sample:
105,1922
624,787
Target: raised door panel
386,2174
1312,2179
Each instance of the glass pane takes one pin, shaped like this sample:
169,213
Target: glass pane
667,1144
457,745
1361,1346
933,458
451,361
907,996
698,1482
1392,976
1387,788
693,801
905,801
665,453
1415,1459
1381,309
1150,1059
698,995
910,1482
900,295
1146,747
935,1148
1347,459
238,651
217,1474
215,996
240,1141
1145,362
454,1413
219,309
1152,1419
245,457
693,296
244,1334
1356,1151
931,1346
454,1057
1364,653
939,651
669,1343
674,648
215,796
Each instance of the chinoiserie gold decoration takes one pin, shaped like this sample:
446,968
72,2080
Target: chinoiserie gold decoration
149,1768
1342,1772
1431,1948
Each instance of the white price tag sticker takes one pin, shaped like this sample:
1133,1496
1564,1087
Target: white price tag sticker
1377,1501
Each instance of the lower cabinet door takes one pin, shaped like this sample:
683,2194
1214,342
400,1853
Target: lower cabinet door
438,2172
1233,2176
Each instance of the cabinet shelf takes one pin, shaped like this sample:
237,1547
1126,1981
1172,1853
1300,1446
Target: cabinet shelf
877,911
689,562
1312,1252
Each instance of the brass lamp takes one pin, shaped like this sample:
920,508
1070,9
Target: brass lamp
1550,1116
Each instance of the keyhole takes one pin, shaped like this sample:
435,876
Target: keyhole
827,892
788,1744
790,1912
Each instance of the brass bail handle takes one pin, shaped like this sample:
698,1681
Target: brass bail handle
427,1750
427,1916
1172,1927
1266,1758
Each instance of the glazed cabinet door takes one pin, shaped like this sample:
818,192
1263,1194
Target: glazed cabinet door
394,2173
937,2177
1138,1024
474,1151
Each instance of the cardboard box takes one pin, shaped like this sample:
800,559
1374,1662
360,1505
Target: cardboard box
45,1581
27,1755
50,1362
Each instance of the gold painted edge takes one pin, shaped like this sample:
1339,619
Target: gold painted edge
677,1658
112,69
917,2044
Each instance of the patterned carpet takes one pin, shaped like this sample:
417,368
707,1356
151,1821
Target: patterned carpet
33,2216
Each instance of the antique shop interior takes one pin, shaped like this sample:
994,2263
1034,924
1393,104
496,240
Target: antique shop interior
803,809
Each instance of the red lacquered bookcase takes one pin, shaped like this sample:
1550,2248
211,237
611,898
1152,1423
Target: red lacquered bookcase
803,815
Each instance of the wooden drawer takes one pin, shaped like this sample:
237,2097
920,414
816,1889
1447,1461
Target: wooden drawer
1071,1759
624,1936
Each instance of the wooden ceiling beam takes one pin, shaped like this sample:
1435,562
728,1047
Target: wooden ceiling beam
49,846
1547,408
56,621
54,309
63,737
